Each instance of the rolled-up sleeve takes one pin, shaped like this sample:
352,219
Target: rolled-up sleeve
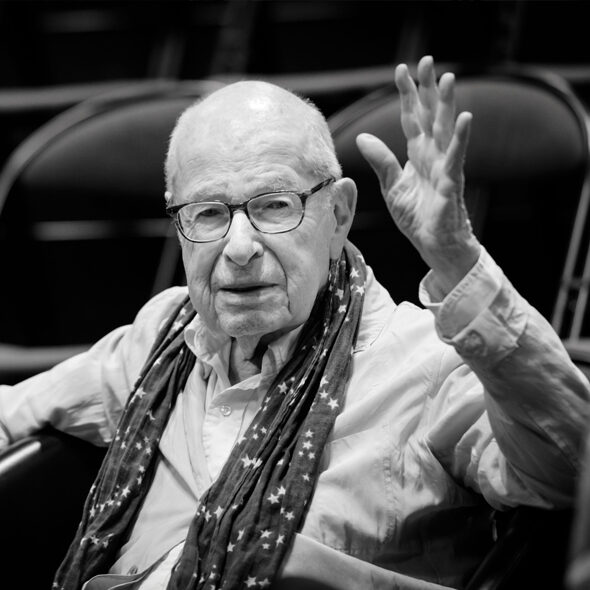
522,443
85,395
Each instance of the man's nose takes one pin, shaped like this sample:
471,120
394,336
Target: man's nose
242,240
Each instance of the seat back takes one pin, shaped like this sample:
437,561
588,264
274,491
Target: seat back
82,221
525,168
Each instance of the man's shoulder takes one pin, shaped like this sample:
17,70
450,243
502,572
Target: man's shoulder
152,315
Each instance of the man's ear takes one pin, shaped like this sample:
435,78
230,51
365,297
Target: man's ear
344,205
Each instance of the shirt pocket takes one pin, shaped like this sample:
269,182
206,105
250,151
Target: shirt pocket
352,509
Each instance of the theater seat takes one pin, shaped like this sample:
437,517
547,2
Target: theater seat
525,170
84,239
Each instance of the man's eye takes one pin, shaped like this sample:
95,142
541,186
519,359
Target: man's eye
277,204
209,212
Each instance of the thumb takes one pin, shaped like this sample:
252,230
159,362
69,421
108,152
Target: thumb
381,159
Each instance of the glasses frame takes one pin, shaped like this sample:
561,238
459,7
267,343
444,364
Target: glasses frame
173,210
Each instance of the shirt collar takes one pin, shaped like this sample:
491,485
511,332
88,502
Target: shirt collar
212,347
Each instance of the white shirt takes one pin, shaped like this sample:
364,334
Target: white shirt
412,455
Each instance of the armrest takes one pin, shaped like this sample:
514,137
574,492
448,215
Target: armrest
44,481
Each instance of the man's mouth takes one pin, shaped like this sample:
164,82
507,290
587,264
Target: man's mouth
246,288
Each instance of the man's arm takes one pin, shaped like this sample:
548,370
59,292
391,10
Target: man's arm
536,400
84,396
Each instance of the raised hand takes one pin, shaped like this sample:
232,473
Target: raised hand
425,198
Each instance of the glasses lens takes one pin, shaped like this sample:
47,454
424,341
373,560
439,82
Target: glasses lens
204,221
276,212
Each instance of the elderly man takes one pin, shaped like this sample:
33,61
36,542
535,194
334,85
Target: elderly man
284,417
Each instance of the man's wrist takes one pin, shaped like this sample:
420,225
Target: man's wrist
451,264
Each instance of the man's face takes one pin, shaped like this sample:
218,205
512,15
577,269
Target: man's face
250,284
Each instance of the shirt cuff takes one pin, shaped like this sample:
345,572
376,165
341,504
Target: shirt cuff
483,316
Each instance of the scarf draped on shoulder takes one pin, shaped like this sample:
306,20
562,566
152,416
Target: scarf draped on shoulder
247,519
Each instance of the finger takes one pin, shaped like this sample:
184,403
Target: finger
444,123
409,101
458,147
427,92
381,159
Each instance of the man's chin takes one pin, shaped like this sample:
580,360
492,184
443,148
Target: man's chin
254,324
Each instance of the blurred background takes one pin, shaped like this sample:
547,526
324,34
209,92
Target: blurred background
90,89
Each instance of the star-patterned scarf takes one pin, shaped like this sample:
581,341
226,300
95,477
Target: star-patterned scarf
247,519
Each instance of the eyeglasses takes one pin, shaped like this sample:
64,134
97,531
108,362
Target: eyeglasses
269,213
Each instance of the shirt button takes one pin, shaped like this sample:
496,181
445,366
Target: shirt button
225,410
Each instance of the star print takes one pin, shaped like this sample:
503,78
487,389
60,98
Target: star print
354,273
281,491
176,325
264,583
240,534
251,581
324,381
139,480
324,353
255,436
280,461
341,308
92,512
150,415
289,515
307,445
138,446
123,445
148,450
266,545
283,387
218,511
125,491
339,293
333,403
323,394
280,539
306,477
311,455
263,430
309,433
273,499
230,547
358,289
265,534
247,461
141,469
207,515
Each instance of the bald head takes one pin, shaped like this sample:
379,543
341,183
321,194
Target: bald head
245,120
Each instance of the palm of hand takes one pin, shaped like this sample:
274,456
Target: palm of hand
425,202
